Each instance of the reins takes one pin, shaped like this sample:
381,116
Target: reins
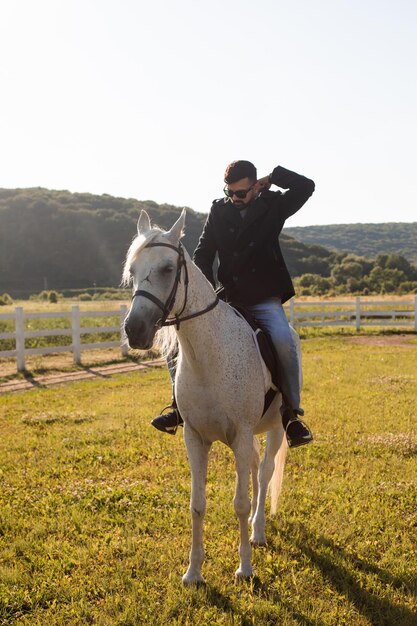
167,307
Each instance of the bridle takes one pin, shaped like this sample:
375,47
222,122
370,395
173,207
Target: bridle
167,307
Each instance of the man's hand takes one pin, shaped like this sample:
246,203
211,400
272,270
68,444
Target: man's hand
263,184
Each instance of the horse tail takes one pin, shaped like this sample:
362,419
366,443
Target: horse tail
276,481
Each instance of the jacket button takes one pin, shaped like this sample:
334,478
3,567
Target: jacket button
235,254
251,243
253,270
232,230
234,279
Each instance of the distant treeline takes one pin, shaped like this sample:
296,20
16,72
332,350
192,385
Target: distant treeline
367,240
62,240
57,240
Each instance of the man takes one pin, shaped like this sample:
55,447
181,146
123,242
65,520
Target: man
243,229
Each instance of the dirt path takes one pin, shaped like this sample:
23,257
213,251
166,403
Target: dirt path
385,340
90,373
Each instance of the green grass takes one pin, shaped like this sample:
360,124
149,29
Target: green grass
94,522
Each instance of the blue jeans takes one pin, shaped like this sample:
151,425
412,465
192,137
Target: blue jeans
271,316
273,320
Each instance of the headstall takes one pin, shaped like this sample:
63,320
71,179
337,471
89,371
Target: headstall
167,307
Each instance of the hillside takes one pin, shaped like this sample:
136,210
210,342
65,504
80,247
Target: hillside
57,240
62,240
366,240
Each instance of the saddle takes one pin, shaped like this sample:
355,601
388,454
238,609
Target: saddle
267,352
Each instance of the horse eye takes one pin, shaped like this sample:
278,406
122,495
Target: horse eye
167,269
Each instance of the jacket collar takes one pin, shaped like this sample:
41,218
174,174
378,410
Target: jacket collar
255,209
232,214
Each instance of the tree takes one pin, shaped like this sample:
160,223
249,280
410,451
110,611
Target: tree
313,284
384,280
398,262
343,272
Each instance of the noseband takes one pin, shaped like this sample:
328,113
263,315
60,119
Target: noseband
167,307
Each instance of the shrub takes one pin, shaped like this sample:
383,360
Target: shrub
304,291
47,296
313,284
5,299
107,295
409,286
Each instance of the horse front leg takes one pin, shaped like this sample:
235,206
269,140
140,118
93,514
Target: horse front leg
197,452
243,457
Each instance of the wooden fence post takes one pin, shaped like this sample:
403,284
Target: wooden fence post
20,338
76,335
292,312
415,313
123,341
358,312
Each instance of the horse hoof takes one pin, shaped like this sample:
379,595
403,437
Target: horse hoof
242,575
193,581
258,543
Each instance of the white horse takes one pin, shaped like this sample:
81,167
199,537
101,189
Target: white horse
220,381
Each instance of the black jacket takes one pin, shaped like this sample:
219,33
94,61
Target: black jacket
251,265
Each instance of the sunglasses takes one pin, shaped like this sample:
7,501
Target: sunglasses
239,193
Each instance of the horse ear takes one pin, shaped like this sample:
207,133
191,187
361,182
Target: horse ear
144,223
177,231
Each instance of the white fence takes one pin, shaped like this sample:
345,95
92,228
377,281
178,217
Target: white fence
356,313
20,333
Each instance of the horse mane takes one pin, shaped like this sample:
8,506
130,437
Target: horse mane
166,338
166,341
139,242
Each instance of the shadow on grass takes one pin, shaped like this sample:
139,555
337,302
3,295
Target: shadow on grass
341,570
29,377
264,589
89,370
212,596
216,598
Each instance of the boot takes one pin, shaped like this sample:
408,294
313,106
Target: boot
168,422
296,431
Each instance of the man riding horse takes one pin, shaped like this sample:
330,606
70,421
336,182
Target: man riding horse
243,229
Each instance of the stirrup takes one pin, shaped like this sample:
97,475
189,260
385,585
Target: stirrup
160,423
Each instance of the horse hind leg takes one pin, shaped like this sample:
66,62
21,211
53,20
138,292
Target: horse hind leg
269,466
197,452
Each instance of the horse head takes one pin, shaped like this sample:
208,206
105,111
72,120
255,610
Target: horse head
153,266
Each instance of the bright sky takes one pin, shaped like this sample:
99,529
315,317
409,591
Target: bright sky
151,99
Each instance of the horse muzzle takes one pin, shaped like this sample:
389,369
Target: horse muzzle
139,334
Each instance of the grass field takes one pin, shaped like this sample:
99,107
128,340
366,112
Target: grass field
94,522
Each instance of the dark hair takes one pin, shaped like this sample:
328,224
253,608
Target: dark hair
238,170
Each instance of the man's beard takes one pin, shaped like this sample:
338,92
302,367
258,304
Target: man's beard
240,204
